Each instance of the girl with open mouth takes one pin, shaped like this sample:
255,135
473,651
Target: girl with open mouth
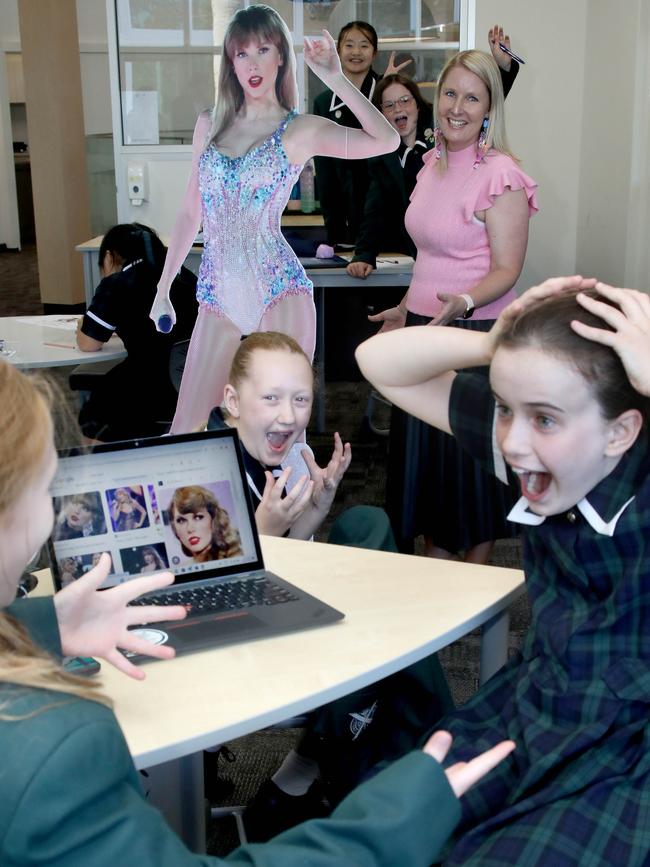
563,420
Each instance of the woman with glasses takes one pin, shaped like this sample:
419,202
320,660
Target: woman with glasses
392,176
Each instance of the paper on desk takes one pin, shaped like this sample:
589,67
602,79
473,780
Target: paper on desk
388,260
53,320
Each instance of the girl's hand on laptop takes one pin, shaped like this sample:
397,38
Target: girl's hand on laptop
630,338
277,514
463,775
95,623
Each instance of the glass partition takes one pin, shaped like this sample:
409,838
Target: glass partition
169,52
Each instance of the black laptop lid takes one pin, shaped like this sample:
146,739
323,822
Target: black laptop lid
179,503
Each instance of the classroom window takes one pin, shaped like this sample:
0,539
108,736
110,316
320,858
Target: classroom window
169,52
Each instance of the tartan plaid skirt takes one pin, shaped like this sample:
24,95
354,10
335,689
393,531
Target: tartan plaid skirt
576,791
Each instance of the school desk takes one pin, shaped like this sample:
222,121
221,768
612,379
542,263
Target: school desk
46,341
398,609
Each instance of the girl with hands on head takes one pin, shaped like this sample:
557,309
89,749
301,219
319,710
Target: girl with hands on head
563,421
247,156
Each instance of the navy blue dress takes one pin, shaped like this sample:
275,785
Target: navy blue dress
576,791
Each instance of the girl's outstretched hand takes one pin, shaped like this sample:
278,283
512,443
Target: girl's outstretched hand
276,514
95,623
321,56
532,296
630,338
463,775
327,479
393,68
390,319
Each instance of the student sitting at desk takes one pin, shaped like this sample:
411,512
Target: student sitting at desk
136,398
71,796
268,399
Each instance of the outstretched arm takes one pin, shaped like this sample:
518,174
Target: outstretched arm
415,367
316,136
186,225
94,623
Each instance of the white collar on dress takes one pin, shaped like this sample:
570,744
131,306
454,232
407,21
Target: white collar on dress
521,514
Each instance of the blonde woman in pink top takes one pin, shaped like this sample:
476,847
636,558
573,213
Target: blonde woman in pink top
468,218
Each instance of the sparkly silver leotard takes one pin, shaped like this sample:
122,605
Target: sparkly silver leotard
247,265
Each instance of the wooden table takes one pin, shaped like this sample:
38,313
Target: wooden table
398,610
33,341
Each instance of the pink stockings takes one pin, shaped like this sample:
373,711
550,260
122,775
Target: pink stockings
214,342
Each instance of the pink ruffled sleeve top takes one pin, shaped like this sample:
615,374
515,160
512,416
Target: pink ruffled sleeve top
453,246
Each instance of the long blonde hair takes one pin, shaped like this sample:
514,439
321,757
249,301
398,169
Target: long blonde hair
25,432
484,66
263,24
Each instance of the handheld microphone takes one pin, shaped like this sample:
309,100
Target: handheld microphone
165,323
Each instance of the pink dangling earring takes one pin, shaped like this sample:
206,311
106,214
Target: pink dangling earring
481,145
437,141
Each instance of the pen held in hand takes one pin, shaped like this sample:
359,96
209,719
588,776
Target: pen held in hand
511,53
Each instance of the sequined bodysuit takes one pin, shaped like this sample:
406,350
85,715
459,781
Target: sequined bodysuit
247,265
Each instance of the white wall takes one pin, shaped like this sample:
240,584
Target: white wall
91,24
579,118
544,119
609,99
9,30
95,82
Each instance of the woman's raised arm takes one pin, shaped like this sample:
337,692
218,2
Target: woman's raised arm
311,135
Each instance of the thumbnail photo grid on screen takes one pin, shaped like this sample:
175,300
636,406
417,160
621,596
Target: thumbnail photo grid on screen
145,528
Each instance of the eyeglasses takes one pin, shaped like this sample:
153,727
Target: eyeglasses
400,101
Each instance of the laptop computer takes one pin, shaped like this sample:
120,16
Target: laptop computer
178,503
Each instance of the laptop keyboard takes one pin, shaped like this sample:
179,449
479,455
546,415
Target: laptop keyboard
229,596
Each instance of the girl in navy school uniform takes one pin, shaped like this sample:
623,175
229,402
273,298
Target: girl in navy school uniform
71,795
564,417
268,399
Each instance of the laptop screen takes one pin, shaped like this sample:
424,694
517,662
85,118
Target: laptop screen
179,503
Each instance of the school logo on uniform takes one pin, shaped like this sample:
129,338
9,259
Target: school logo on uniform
362,720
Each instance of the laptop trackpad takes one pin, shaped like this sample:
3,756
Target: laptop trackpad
208,631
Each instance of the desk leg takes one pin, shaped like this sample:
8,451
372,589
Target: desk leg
319,293
494,645
176,789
